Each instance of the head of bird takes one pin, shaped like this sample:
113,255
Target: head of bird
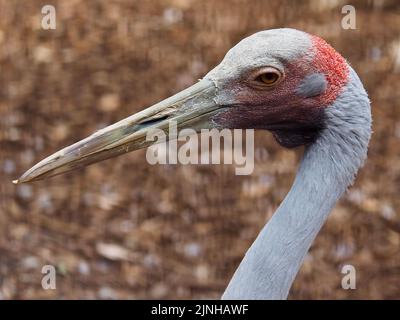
280,80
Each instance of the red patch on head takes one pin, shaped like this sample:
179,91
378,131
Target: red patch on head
330,63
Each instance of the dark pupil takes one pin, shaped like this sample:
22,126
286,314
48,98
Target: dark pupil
269,76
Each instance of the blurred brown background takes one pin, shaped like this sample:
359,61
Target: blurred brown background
125,229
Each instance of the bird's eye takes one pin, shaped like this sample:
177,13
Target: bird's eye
265,78
268,78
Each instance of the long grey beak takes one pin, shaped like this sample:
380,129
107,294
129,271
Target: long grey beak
191,107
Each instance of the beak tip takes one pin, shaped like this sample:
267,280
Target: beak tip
22,179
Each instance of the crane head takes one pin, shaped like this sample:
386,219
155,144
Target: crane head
280,80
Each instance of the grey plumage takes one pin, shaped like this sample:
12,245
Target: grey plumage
312,85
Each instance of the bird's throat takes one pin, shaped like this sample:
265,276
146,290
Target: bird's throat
272,262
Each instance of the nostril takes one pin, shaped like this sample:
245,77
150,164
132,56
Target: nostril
154,120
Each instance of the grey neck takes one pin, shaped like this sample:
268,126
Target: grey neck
326,170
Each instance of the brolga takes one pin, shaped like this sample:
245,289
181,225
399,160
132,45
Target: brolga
283,80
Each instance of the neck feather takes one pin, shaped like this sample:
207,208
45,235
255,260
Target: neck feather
326,170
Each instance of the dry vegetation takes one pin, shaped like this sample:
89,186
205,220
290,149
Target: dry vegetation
125,229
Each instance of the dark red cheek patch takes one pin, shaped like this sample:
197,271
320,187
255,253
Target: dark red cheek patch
330,63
